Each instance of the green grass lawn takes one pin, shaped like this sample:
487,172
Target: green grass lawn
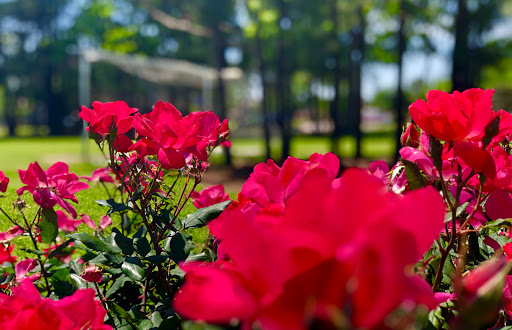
18,153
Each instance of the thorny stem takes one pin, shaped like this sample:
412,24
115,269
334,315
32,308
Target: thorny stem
104,304
479,199
145,292
179,208
446,252
196,182
455,233
34,242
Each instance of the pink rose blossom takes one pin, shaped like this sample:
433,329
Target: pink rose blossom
51,187
312,260
25,309
91,273
209,196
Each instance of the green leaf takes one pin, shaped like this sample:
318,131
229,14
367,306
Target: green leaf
78,282
6,278
145,324
132,267
436,319
125,243
113,271
414,177
115,259
112,205
59,249
156,318
118,284
48,226
141,232
204,215
198,257
36,252
170,323
178,272
100,259
138,193
95,243
142,246
460,209
498,223
178,247
436,150
157,259
448,269
119,311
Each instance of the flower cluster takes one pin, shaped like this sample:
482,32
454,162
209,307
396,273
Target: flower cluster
312,257
301,246
25,309
460,145
163,132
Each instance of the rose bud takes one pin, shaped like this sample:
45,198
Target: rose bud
410,137
91,273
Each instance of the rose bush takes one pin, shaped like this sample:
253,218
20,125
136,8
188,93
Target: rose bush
425,244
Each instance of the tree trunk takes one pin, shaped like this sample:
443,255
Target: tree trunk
283,88
264,105
354,97
335,103
399,101
53,106
461,61
218,45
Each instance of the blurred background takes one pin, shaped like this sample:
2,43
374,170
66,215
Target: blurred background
293,76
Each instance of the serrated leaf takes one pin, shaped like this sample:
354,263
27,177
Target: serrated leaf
112,205
125,243
100,259
118,284
36,252
132,267
204,215
58,249
48,226
95,243
114,258
414,177
160,195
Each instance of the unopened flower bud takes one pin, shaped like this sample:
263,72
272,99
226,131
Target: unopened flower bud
410,137
91,273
